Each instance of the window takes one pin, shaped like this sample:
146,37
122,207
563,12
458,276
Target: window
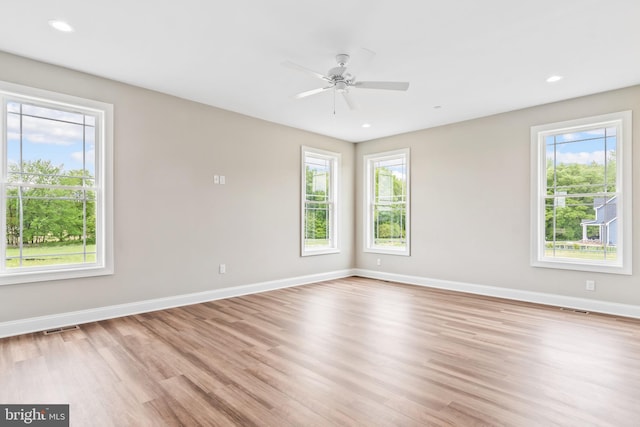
581,194
387,202
56,183
319,201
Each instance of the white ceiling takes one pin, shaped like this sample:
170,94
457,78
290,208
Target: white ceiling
473,58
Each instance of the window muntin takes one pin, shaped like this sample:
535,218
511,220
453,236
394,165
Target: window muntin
387,202
319,201
582,191
56,186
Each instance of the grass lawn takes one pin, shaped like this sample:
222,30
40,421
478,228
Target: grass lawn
580,254
396,243
316,242
50,255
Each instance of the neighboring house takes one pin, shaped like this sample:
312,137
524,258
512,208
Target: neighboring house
606,220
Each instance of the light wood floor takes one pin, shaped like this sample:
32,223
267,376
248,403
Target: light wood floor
345,352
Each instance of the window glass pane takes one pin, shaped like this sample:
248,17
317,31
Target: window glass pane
45,224
581,205
389,227
567,216
36,256
41,147
578,227
578,162
59,143
51,213
318,186
56,227
389,197
319,207
318,175
390,181
317,224
385,186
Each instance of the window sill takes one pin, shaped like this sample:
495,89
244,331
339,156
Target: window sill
593,267
32,276
320,252
387,251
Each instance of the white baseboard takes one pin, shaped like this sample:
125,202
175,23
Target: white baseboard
596,306
35,324
42,323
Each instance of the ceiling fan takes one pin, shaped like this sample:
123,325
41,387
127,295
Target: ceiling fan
338,79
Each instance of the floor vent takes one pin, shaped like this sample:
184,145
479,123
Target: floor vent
59,330
574,310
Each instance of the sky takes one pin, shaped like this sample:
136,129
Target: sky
582,147
64,138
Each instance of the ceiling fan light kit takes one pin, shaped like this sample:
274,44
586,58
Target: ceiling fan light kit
341,81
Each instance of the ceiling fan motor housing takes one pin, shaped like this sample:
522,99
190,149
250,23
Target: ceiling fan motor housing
342,59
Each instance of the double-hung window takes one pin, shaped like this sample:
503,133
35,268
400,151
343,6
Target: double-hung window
56,177
581,194
387,202
320,171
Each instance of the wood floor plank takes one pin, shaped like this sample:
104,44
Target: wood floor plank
348,352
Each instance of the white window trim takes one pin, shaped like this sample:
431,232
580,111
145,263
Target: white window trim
368,203
336,159
103,175
623,122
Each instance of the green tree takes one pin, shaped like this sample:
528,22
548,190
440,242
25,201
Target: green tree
574,179
316,212
390,213
48,214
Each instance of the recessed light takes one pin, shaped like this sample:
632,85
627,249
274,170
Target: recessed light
366,125
554,79
437,107
61,26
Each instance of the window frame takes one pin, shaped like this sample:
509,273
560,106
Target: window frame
623,123
333,201
369,196
103,112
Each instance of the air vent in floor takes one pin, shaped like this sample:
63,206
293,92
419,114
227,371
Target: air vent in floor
62,329
574,310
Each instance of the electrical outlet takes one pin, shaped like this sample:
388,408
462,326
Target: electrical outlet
378,261
223,180
216,179
222,269
590,285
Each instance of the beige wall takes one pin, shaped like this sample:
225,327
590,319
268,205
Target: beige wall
172,225
470,202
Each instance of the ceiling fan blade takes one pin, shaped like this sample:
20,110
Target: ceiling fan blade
312,92
295,66
350,102
383,85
